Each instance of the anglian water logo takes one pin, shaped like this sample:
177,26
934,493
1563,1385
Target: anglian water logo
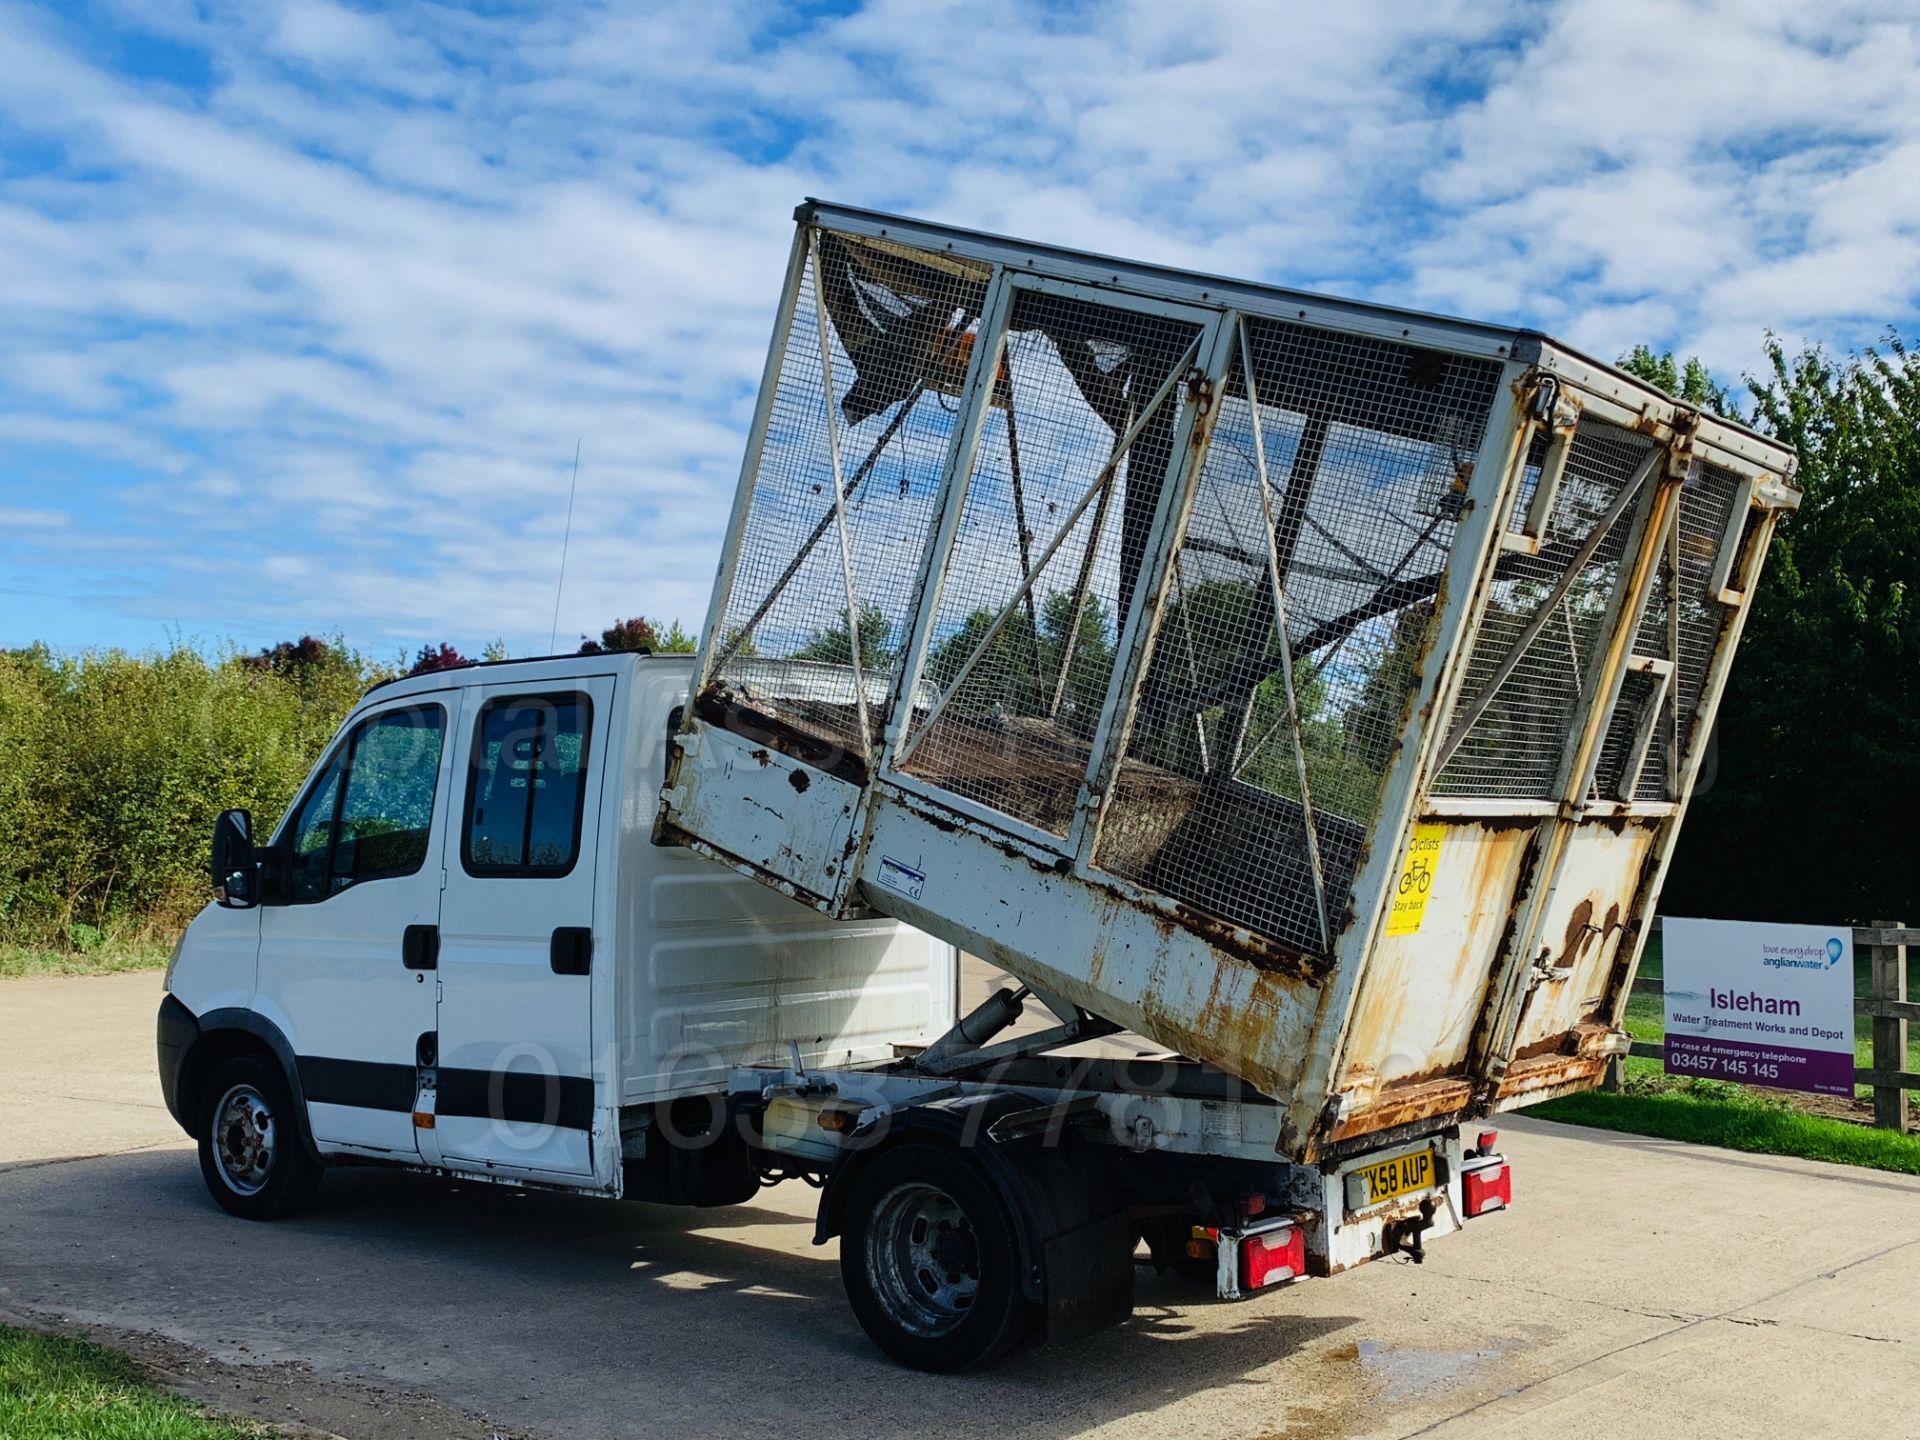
1802,957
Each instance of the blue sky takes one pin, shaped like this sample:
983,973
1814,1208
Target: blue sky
307,304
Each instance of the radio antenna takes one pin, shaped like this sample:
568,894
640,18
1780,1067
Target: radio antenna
553,637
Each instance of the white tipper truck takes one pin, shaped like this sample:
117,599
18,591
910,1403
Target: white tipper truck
1307,691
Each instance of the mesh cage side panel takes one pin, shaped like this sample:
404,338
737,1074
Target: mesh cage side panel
901,325
1516,748
1680,605
1074,376
1637,690
1706,517
1367,446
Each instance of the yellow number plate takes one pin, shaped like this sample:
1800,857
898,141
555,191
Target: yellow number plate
1390,1179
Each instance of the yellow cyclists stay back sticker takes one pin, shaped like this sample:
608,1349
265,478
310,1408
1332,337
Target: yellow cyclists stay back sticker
1410,891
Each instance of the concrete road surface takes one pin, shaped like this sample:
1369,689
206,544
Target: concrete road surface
1639,1289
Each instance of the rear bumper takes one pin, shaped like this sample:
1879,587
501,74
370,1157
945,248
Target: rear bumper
1348,1231
175,1031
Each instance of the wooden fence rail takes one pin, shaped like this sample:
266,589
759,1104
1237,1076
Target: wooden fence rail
1885,943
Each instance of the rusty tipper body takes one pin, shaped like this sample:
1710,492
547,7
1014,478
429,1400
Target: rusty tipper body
1313,688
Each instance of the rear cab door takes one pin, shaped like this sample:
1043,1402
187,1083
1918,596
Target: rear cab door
525,923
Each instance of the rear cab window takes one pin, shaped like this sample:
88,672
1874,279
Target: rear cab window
526,787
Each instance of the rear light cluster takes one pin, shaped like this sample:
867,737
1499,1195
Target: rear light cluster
1254,1260
1486,1179
1273,1256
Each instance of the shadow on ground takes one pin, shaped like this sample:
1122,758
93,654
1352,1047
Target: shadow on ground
582,1317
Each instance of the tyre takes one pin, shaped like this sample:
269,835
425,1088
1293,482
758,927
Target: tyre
931,1261
250,1151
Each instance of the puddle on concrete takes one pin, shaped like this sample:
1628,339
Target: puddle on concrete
1404,1373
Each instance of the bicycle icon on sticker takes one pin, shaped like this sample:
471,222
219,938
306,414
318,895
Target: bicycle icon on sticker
1417,878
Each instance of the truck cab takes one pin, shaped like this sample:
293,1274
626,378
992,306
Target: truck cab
461,950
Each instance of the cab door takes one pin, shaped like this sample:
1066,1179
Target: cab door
346,932
518,929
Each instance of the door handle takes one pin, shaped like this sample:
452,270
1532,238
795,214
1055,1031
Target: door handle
571,950
420,947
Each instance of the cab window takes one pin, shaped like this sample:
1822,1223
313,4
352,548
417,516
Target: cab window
369,815
527,786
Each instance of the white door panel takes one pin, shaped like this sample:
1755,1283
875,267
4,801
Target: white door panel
515,1084
356,868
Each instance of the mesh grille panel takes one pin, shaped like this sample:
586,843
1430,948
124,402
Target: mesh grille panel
1516,747
901,326
1706,514
1681,609
1637,690
1026,697
1365,446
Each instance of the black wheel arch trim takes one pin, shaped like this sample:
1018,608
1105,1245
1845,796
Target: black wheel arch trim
252,1022
174,1033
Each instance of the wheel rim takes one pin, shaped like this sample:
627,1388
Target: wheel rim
243,1140
924,1259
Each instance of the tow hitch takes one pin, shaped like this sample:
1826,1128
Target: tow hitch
1408,1237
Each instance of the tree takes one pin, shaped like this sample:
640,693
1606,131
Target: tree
677,641
831,646
1810,812
1690,382
437,657
1019,672
640,634
1091,665
307,662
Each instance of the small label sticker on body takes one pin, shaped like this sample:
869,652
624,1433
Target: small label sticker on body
902,878
1410,891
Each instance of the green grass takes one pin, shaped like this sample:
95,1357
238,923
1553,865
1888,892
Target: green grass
108,956
54,1388
1713,1112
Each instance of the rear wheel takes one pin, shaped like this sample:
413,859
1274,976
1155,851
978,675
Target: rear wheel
931,1261
251,1156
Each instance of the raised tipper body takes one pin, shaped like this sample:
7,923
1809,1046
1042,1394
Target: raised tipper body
1314,688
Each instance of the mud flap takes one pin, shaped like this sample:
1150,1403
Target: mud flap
1089,1279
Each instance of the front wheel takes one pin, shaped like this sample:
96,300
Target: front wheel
250,1152
931,1262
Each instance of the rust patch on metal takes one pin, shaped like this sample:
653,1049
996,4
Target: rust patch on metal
799,780
719,707
1580,934
1557,1072
1405,1105
1388,1016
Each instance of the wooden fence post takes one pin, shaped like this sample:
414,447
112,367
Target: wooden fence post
1889,1034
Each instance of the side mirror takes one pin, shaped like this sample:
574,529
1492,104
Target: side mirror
236,871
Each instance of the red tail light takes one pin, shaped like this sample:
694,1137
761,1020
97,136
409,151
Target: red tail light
1487,1187
1272,1256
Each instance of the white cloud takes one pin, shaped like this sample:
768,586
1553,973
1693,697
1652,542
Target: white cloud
22,518
309,336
